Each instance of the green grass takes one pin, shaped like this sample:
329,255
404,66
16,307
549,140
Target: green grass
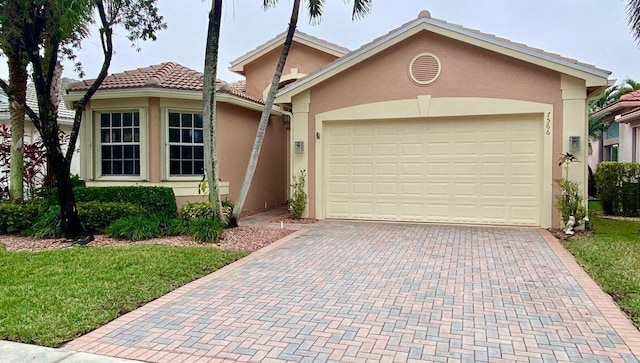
595,206
612,257
50,297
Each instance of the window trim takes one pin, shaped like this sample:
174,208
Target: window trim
166,167
96,148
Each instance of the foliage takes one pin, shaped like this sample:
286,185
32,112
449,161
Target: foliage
206,229
50,297
96,216
611,255
155,200
34,162
136,228
48,225
619,187
569,200
18,217
192,211
593,189
298,202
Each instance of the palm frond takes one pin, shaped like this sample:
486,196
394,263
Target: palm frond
633,18
315,7
361,8
269,3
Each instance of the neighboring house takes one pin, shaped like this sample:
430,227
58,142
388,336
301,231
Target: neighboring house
65,121
144,126
434,122
621,139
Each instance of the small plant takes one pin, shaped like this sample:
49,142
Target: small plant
298,202
570,201
205,229
135,228
192,211
48,225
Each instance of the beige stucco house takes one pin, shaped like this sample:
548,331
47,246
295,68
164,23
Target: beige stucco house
434,122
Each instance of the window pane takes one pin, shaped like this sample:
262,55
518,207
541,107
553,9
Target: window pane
115,119
187,152
174,167
116,135
174,119
186,136
127,119
198,152
197,136
127,135
117,152
106,152
136,167
106,167
174,135
187,167
136,149
136,119
136,135
105,120
174,152
128,152
187,120
198,167
117,167
128,167
105,135
197,120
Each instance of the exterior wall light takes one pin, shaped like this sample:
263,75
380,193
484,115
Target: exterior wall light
574,143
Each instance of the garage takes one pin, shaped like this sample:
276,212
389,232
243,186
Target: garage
480,170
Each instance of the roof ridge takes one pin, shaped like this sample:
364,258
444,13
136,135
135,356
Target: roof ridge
159,76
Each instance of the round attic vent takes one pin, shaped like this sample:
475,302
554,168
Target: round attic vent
424,68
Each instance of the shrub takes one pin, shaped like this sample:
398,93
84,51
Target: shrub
48,225
298,201
618,188
156,200
192,211
205,229
96,216
19,217
136,228
570,201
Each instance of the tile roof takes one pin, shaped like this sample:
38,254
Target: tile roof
631,96
32,102
167,75
425,17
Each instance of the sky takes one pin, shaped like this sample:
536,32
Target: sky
591,31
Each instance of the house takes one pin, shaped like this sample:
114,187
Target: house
144,126
65,121
620,140
435,122
432,122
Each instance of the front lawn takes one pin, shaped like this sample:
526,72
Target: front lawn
50,297
612,257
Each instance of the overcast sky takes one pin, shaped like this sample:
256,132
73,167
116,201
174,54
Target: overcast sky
592,31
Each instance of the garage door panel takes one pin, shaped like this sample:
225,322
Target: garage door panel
459,170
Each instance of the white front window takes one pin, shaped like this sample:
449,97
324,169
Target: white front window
120,143
186,148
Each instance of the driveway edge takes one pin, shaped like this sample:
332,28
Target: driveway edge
618,320
89,340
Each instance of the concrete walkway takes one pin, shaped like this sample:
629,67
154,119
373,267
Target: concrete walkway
346,291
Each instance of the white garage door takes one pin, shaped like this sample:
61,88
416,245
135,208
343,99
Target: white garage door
481,170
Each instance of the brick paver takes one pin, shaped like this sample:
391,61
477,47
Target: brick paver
360,292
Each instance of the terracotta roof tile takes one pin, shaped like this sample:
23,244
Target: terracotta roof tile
631,96
167,75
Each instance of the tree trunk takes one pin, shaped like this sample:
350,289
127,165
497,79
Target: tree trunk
70,221
264,118
18,82
209,109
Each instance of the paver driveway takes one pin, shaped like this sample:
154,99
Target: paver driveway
348,291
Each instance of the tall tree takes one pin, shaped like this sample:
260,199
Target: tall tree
11,46
209,109
314,7
52,29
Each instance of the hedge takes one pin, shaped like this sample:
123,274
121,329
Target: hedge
96,216
619,188
15,218
155,200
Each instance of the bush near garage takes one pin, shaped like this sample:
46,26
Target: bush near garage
619,188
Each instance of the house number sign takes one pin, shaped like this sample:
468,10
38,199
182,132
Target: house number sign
547,123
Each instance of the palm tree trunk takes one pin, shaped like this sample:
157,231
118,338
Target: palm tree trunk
18,82
264,118
209,109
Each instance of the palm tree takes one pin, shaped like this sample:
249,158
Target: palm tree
628,85
633,17
360,8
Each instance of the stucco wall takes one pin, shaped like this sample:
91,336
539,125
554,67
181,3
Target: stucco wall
467,71
260,72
